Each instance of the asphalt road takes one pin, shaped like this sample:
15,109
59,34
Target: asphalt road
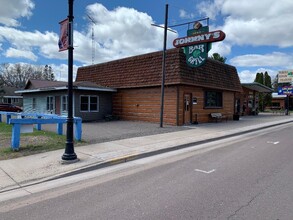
249,179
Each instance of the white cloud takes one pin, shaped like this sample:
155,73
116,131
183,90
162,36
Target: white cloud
61,71
183,14
248,76
255,60
120,33
257,23
221,48
27,41
11,10
12,52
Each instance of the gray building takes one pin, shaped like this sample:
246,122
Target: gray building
90,101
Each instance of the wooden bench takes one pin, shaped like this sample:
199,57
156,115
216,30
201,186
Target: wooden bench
217,116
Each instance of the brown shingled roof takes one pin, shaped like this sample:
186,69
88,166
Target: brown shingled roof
145,70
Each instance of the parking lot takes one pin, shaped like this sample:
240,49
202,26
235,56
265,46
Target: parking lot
98,132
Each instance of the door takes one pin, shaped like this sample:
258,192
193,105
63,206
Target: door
57,105
187,108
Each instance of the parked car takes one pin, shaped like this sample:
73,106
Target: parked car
10,108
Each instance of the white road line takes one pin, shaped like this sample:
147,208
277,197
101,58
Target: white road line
273,142
206,172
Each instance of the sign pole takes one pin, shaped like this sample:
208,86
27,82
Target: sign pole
69,154
164,67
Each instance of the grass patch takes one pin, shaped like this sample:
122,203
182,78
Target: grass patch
30,143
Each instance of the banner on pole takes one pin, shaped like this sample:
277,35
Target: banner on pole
63,39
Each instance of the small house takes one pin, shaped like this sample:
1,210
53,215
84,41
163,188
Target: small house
90,101
8,96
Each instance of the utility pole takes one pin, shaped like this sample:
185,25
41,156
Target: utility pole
164,67
69,154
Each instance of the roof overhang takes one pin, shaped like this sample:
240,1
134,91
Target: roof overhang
100,89
257,87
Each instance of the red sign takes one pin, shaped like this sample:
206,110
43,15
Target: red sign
208,37
63,39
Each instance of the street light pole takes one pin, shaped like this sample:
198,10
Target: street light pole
164,67
69,154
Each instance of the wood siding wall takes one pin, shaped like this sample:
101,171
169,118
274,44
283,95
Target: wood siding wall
144,104
199,113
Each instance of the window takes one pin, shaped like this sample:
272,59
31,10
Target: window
34,105
50,103
15,100
89,103
7,100
213,99
65,103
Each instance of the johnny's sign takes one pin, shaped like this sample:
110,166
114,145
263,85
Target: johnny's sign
199,38
197,44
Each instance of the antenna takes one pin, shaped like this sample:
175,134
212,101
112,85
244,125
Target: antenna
93,39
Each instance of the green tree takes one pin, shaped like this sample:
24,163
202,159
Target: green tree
48,73
265,99
218,57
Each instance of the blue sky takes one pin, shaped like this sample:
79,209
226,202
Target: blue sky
258,33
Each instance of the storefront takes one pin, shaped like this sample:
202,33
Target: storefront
191,94
249,99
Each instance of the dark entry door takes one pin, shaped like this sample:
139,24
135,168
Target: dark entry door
187,108
57,105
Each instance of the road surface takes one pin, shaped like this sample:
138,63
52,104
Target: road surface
248,177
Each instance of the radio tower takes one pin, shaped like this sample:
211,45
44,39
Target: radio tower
93,39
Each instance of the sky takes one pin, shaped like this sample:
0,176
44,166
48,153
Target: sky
259,34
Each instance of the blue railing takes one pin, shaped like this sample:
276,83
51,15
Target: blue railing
37,120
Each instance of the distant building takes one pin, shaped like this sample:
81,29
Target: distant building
8,95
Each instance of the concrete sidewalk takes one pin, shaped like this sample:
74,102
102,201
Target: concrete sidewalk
17,173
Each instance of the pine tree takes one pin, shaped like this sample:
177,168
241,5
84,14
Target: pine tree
265,99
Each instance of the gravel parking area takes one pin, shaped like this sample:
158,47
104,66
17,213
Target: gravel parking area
98,132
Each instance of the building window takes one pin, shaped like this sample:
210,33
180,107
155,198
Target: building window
15,100
34,105
89,103
65,103
213,99
50,104
7,100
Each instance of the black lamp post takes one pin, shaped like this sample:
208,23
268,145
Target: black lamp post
164,67
69,154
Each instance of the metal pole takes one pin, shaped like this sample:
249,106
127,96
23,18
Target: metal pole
69,154
164,67
287,109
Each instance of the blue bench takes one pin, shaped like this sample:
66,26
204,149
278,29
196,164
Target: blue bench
17,122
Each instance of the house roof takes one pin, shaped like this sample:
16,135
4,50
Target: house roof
45,85
7,91
146,70
257,87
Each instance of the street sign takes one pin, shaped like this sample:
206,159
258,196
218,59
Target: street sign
285,90
285,76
